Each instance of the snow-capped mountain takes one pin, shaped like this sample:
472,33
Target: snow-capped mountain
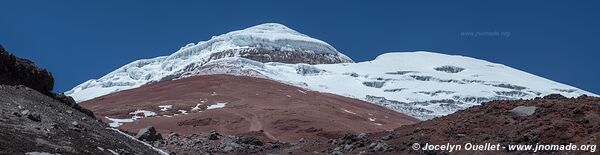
420,84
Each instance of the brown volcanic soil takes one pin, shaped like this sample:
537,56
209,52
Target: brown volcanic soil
557,120
260,107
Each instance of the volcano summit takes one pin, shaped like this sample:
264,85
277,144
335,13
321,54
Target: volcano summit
420,84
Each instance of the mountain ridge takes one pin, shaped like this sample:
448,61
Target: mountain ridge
421,84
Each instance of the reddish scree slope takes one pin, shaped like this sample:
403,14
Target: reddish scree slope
254,106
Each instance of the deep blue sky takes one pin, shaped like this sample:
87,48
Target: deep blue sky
79,40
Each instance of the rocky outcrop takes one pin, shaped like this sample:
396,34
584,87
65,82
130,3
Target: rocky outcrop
449,69
554,97
17,71
36,121
524,110
68,100
227,144
148,134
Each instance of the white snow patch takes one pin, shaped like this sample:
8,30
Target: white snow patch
348,111
113,152
378,124
184,112
303,92
288,95
372,119
165,107
197,107
100,148
118,122
145,112
216,106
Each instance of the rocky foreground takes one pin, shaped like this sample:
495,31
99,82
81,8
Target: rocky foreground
33,120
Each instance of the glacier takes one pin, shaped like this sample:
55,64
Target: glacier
421,84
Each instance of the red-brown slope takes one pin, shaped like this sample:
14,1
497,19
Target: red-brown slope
254,105
556,120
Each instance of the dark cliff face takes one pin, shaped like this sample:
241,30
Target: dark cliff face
17,71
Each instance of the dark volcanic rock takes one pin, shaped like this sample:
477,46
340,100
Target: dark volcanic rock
34,117
17,71
213,135
554,97
69,101
449,69
291,57
249,140
45,123
378,146
33,122
148,134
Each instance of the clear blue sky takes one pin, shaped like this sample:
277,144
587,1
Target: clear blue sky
80,40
